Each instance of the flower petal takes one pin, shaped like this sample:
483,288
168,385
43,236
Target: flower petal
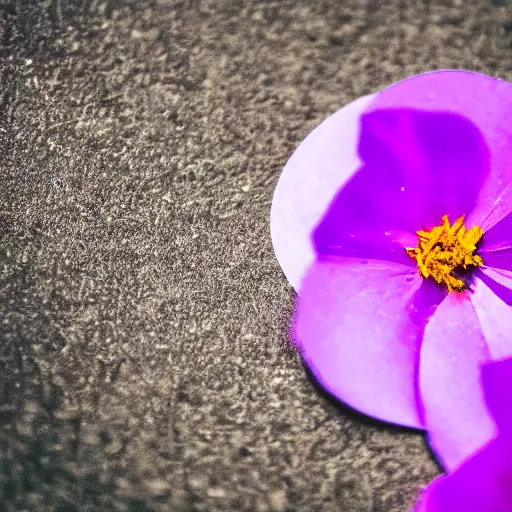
453,350
412,163
494,316
359,326
498,259
498,275
320,166
416,169
499,238
479,485
484,481
486,102
497,384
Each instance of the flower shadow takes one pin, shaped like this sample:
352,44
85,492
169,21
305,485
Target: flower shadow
344,410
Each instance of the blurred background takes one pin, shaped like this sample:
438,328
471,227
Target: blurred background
145,363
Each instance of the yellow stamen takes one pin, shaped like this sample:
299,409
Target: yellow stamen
446,249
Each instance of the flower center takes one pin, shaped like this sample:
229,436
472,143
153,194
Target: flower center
446,251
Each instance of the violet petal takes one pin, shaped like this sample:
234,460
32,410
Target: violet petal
484,101
499,238
477,486
494,315
413,162
501,259
497,384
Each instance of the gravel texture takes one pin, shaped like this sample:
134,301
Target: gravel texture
144,357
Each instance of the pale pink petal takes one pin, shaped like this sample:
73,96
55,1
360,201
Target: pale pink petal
312,177
483,482
359,326
452,353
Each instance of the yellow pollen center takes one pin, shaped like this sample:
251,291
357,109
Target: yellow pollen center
446,250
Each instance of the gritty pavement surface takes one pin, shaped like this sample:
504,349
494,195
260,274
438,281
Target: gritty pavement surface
144,357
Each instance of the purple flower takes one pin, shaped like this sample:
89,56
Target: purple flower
393,222
483,483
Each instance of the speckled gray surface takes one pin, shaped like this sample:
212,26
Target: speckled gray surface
144,357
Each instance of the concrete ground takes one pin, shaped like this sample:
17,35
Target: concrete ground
144,358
